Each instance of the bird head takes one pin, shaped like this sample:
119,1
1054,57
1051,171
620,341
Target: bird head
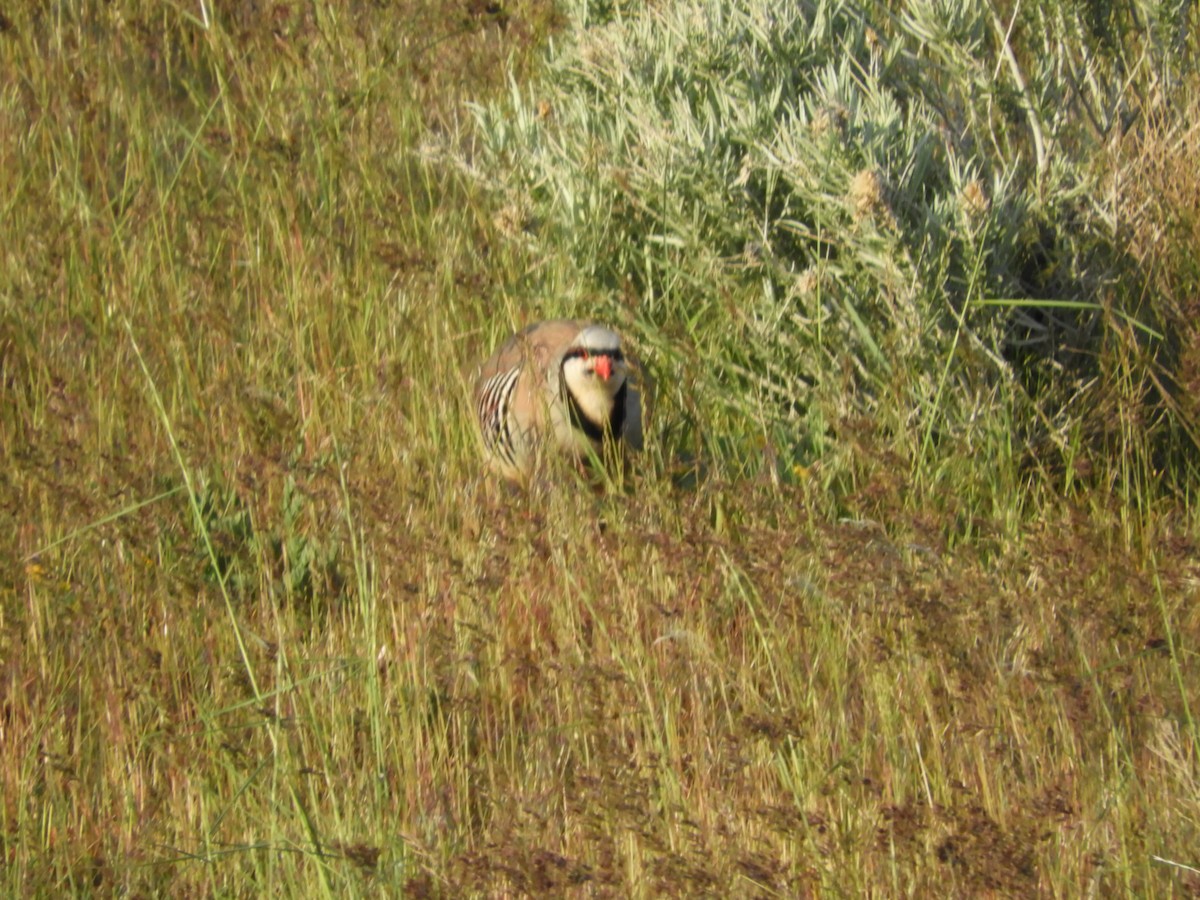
594,370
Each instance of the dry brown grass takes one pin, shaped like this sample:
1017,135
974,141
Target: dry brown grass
1156,173
341,663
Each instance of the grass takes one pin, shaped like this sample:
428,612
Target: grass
265,629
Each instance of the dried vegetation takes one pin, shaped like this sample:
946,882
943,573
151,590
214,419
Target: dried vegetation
263,629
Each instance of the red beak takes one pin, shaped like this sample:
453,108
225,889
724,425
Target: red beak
603,367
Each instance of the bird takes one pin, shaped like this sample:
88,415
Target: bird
559,384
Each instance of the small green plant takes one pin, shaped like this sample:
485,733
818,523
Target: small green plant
302,567
230,531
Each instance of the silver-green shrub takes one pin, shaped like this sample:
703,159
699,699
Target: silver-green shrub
809,210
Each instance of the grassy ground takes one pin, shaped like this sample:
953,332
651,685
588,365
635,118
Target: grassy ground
265,630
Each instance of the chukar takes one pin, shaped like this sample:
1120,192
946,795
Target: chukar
561,384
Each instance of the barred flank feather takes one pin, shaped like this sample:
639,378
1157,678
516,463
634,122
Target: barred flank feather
495,398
